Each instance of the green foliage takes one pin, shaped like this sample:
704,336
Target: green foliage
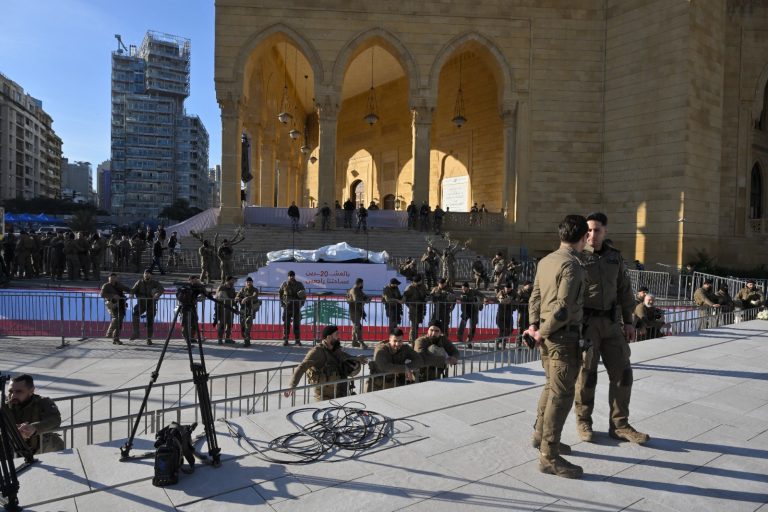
179,210
49,206
83,220
703,262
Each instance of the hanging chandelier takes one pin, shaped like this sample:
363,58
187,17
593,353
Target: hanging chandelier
371,117
284,116
294,134
305,149
458,109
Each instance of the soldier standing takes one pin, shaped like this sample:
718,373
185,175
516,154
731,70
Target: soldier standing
83,245
393,303
349,208
436,352
96,255
499,265
415,297
35,417
431,264
325,217
114,300
396,360
471,305
207,254
226,254
424,212
449,262
326,362
56,254
413,214
443,302
505,314
356,299
9,252
292,298
521,302
248,299
147,292
362,219
708,304
556,312
157,255
226,295
113,250
438,216
70,253
124,254
24,249
608,286
408,269
138,246
294,215
480,273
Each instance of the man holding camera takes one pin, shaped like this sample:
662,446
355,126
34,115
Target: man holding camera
608,288
114,300
357,299
750,296
35,416
556,313
327,363
147,292
436,352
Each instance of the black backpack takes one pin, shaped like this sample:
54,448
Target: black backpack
174,444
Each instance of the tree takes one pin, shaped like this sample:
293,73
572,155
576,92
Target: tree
83,220
179,210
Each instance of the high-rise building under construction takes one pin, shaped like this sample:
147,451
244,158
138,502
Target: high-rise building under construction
159,154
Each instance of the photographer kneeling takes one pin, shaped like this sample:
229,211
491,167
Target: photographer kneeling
327,363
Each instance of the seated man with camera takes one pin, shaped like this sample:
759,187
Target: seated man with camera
749,296
436,352
649,320
394,358
36,417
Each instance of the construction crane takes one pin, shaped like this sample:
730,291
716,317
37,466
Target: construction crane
120,46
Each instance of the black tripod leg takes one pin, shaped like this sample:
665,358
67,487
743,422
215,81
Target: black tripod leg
125,451
9,482
200,377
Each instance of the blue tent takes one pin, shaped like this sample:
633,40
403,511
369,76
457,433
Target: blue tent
45,219
9,217
25,217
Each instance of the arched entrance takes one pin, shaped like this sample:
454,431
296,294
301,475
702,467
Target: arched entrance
357,192
389,202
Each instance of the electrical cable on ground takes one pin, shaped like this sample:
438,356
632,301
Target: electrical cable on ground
329,429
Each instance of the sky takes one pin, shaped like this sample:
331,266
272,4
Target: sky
59,51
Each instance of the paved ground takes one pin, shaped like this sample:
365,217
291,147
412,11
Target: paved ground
463,444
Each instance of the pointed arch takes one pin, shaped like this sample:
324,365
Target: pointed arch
278,30
494,58
388,41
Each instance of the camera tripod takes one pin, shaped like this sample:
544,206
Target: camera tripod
199,378
11,443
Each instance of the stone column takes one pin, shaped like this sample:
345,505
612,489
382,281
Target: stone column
422,129
266,169
509,185
743,168
522,170
231,208
326,179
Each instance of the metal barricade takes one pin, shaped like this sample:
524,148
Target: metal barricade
657,282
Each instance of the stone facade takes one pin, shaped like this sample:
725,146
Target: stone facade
646,110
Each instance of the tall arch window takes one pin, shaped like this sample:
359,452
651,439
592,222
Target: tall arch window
756,193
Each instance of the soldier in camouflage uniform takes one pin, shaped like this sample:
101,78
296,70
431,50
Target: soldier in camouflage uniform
292,298
207,255
431,263
436,352
248,299
415,297
398,360
326,362
356,299
24,249
393,303
556,312
750,296
443,302
96,255
113,250
471,305
480,273
36,417
124,253
70,253
82,244
225,294
505,314
706,299
56,257
147,292
138,246
114,300
608,288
